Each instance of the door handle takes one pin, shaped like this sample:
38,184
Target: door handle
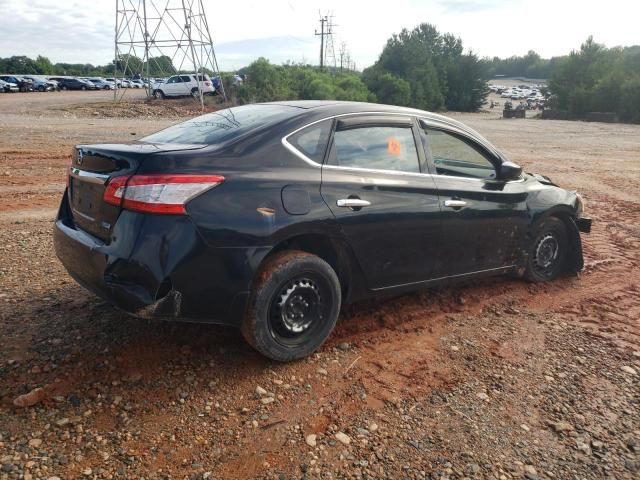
455,203
353,203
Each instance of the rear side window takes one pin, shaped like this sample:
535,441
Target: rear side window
312,141
203,78
185,78
379,148
222,125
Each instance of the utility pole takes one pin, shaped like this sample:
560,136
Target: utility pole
323,19
343,53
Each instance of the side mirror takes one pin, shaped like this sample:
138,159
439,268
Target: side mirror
510,171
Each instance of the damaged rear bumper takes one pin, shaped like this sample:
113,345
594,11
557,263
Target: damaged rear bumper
157,266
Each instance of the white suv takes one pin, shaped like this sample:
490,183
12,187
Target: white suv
182,85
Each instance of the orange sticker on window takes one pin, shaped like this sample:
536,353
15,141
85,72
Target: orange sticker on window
393,147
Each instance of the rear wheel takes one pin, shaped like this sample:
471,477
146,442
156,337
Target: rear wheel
41,88
293,307
83,88
195,93
548,253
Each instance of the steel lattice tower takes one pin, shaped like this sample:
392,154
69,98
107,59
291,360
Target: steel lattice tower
161,38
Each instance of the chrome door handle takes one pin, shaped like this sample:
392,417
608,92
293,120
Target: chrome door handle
353,203
455,203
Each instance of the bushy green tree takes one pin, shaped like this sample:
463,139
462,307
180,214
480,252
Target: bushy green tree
438,72
267,82
598,79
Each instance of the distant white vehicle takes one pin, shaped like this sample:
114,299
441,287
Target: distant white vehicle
8,87
183,85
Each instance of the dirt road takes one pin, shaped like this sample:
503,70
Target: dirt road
497,379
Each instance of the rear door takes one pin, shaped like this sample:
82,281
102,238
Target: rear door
484,219
185,84
387,209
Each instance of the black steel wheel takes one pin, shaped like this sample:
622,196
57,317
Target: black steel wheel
293,307
548,253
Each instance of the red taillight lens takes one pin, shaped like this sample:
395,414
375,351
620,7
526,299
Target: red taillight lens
208,84
158,193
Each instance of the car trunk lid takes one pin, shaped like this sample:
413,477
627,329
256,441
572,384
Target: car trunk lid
92,167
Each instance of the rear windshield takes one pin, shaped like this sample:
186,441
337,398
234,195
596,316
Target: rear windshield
220,126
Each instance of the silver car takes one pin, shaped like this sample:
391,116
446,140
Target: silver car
8,87
41,84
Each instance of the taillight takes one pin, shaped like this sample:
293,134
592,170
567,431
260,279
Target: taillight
158,193
208,84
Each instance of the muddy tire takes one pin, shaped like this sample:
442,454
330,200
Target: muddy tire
549,251
293,306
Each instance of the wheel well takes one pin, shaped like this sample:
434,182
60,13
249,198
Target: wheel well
323,247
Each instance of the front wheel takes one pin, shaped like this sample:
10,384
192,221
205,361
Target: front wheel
158,95
548,254
293,306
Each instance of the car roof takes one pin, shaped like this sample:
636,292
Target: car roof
319,108
337,107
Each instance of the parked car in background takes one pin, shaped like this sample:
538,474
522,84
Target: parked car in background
8,87
115,81
137,83
23,84
183,85
101,83
41,84
71,83
269,217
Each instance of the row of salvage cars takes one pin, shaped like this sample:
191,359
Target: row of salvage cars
41,83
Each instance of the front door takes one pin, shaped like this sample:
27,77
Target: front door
387,209
484,219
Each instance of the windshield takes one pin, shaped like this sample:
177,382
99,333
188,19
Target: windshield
222,125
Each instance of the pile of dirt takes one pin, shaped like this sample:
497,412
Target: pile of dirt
151,108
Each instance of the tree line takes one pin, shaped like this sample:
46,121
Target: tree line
421,68
128,65
598,79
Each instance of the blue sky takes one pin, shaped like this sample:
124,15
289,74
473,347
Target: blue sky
82,31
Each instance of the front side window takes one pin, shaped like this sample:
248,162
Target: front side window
455,157
379,148
312,141
173,80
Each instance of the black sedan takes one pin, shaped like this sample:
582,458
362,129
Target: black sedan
270,217
65,83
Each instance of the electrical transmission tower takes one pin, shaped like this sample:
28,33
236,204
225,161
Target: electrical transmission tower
327,50
159,38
